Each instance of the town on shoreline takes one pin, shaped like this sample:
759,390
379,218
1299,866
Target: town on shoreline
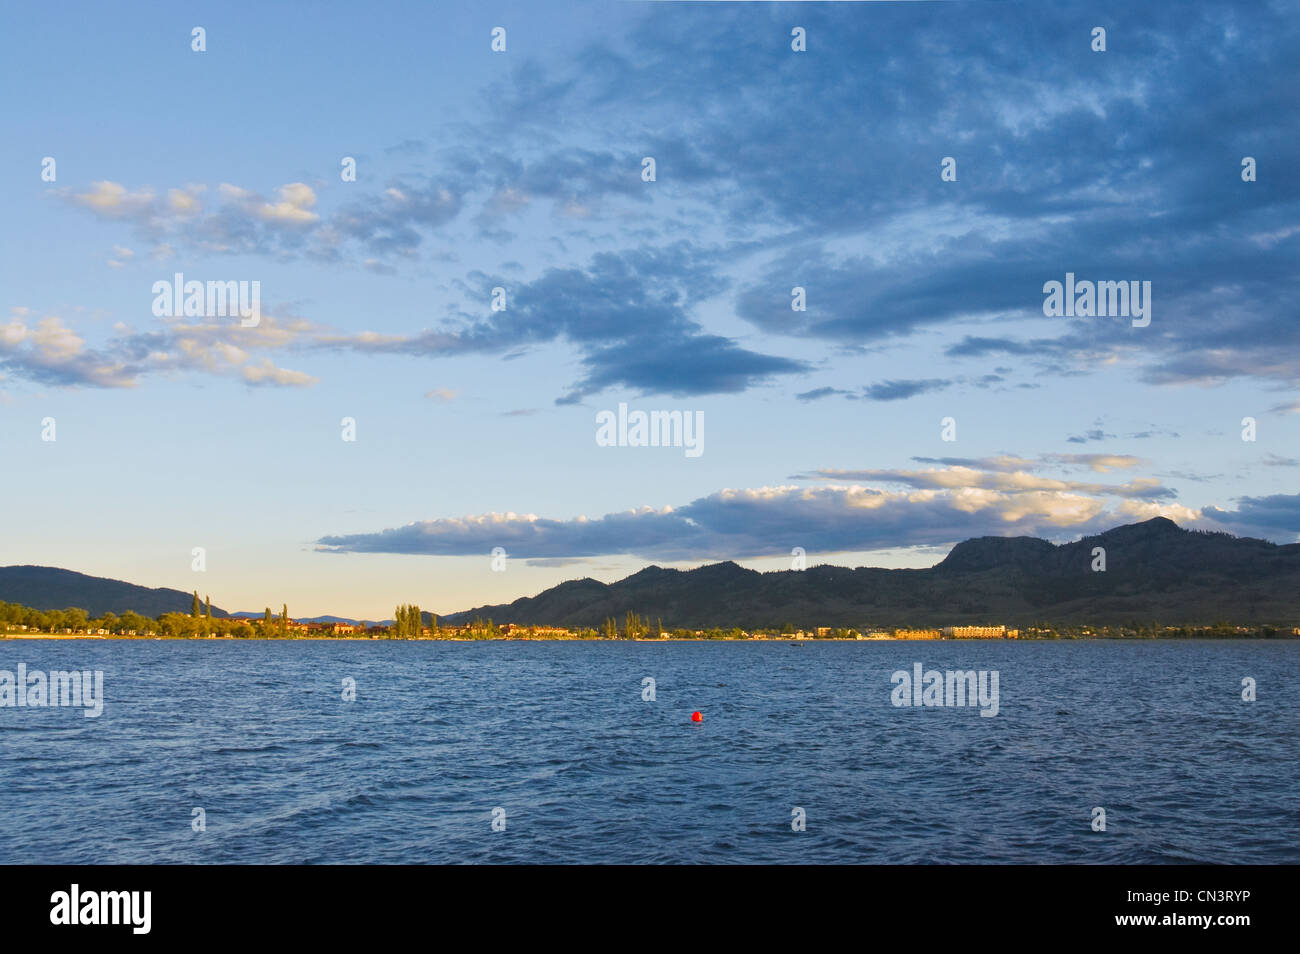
20,622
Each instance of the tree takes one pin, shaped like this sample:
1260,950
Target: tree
266,619
408,622
207,601
194,607
284,619
74,618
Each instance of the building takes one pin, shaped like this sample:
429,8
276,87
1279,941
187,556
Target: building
917,634
975,632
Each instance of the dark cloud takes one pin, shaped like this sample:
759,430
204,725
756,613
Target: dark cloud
818,393
1116,166
899,390
1275,517
1095,434
628,313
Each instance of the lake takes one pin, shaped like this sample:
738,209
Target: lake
558,737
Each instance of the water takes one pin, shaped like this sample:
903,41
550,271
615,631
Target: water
557,734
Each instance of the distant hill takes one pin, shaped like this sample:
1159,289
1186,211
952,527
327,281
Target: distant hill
1155,572
247,614
50,588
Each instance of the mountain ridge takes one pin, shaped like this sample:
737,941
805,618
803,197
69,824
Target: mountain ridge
54,588
1155,571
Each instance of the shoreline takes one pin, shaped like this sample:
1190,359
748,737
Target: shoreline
509,639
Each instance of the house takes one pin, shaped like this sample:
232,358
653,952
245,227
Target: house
975,632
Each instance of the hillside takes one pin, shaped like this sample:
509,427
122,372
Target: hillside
50,588
1156,572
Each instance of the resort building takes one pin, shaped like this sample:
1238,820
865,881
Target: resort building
975,632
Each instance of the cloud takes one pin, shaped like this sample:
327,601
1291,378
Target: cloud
961,477
765,521
1275,517
113,200
294,206
886,250
1272,460
629,314
899,390
239,222
48,352
980,85
1096,434
1010,462
1098,462
264,372
818,393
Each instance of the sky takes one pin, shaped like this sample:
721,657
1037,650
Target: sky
920,170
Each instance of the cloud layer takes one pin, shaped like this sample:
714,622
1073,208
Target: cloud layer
936,507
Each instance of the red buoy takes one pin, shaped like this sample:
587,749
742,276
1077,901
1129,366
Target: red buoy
696,717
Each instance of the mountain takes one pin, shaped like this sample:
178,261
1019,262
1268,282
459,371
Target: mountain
49,588
1155,572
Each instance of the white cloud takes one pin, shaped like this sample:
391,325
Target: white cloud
294,207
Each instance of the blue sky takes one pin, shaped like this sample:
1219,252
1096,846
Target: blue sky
522,170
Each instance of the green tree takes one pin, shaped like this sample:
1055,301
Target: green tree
194,607
207,606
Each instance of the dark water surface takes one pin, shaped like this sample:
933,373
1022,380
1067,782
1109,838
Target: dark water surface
258,735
